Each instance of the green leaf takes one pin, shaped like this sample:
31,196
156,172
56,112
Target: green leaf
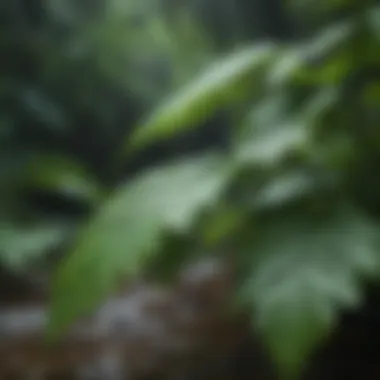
323,100
268,145
63,175
19,245
304,271
287,187
288,63
329,40
373,19
316,60
221,83
270,133
127,232
185,188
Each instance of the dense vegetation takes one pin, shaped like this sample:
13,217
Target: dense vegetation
267,144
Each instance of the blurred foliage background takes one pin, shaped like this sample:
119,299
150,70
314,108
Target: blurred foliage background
252,125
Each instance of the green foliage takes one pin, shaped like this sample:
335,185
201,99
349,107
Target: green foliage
127,232
306,235
21,245
72,82
305,267
225,81
59,174
26,235
296,193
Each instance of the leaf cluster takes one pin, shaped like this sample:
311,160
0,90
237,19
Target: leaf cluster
74,79
295,194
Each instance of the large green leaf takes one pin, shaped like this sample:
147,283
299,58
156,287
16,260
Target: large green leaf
222,82
305,270
127,232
